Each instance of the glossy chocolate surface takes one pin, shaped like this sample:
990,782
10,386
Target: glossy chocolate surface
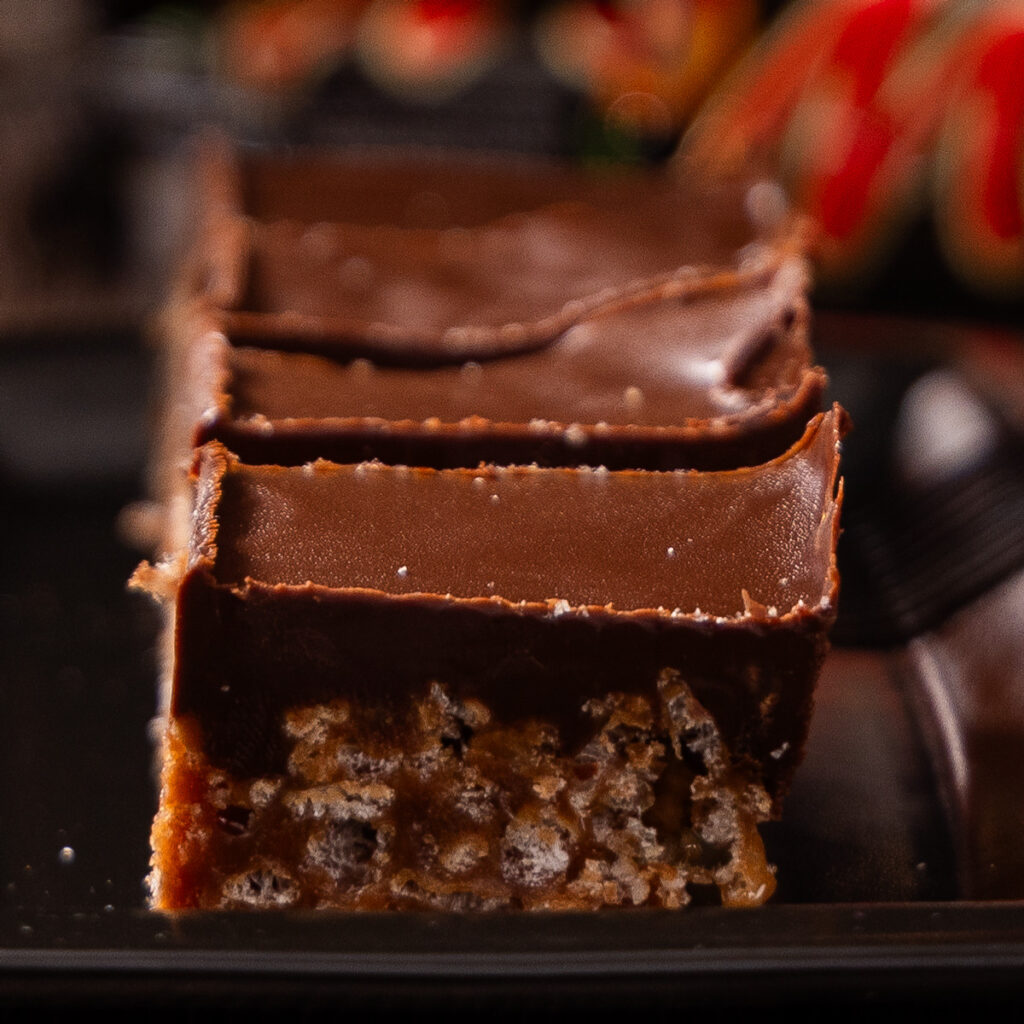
590,538
563,588
709,382
460,293
447,259
660,362
433,189
448,310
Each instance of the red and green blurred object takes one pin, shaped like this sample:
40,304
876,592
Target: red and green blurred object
645,63
875,110
420,50
875,113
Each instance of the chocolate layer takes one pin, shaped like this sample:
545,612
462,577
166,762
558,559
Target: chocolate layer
709,382
447,259
532,590
445,311
435,189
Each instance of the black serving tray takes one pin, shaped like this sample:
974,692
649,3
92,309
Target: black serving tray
901,854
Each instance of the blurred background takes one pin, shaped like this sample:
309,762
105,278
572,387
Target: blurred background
896,123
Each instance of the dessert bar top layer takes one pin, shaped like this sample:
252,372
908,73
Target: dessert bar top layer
750,542
452,258
660,362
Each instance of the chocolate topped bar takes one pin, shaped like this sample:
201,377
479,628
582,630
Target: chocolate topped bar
437,189
707,381
478,683
494,630
445,312
511,285
447,259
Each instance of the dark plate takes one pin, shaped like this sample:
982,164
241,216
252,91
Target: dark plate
901,857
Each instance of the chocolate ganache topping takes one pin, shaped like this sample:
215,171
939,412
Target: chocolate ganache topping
445,259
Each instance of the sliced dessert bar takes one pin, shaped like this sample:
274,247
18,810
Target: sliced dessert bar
444,311
396,688
450,257
711,380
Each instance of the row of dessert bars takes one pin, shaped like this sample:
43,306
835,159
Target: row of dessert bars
499,536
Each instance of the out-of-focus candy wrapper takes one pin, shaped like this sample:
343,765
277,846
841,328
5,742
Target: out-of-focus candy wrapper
645,64
279,44
877,111
417,50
